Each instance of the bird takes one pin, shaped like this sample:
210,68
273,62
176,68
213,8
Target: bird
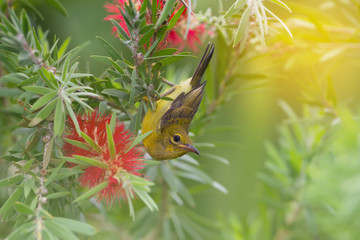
169,123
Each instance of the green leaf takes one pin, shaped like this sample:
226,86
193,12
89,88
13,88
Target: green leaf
184,193
63,47
63,175
138,139
243,25
11,78
109,48
165,52
27,165
135,124
79,144
220,187
65,69
193,170
58,6
11,180
143,6
153,46
38,89
151,162
43,100
59,119
29,184
169,177
49,78
57,195
235,8
146,37
215,157
116,66
73,117
177,225
111,142
146,28
9,26
10,201
91,192
75,226
166,11
53,174
33,9
154,5
29,81
37,42
9,92
91,142
280,21
47,153
145,197
44,113
113,122
80,164
20,231
47,235
129,197
59,230
90,161
175,18
174,58
122,94
24,209
208,145
280,3
122,34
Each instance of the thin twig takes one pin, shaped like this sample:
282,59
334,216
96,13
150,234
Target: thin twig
167,82
38,61
42,189
167,92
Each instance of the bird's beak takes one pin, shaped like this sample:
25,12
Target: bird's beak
189,148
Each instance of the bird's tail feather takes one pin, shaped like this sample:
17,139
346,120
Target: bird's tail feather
196,79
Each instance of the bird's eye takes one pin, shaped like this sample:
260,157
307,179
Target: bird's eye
176,138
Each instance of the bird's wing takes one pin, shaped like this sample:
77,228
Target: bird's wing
183,108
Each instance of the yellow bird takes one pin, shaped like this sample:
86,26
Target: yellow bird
170,122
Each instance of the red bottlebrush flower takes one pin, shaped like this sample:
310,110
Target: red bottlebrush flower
176,37
193,39
115,8
124,161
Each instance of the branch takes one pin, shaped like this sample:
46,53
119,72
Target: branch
38,61
42,189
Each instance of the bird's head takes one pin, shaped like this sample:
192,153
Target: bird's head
176,142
